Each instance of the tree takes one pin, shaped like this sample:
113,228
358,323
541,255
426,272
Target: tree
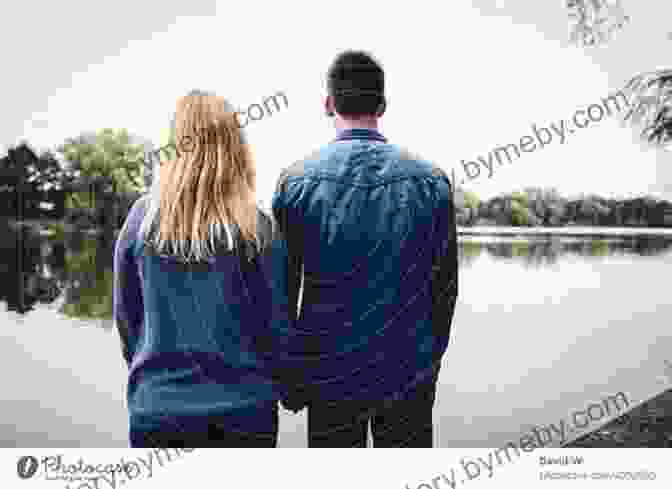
109,157
650,93
521,198
38,173
650,110
40,178
594,21
48,173
90,279
519,215
471,200
107,166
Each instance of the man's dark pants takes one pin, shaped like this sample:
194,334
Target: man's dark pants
406,422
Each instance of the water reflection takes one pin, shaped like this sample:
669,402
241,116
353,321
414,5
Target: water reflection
89,272
30,269
539,252
74,270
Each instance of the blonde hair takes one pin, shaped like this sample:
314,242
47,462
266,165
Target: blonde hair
208,188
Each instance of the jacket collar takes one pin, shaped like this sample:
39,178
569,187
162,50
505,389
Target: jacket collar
360,133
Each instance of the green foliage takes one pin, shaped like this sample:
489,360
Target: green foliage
108,156
79,200
599,247
471,248
519,215
93,302
90,296
520,248
520,198
169,151
56,231
471,200
537,206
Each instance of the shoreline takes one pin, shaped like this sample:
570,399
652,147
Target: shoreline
649,425
568,231
42,227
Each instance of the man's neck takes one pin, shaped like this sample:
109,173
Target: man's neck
343,124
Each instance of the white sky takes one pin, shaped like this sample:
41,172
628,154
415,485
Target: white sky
461,80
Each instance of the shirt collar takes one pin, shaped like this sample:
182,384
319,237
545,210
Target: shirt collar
360,133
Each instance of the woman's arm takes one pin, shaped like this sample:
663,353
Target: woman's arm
274,267
127,309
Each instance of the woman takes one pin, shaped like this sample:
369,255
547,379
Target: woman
191,301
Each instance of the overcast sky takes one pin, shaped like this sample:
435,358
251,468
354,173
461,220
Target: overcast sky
461,80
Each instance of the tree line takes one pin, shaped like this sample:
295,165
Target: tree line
547,207
90,180
93,179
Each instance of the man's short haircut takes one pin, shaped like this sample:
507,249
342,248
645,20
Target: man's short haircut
356,82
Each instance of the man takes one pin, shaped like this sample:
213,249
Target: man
371,274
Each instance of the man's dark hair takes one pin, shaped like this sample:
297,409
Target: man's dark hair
356,82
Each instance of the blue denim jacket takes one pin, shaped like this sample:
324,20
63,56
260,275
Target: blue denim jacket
371,275
196,337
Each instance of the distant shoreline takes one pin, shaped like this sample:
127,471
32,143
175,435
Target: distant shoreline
466,231
569,231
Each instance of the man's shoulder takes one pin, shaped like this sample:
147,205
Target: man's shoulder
412,163
419,163
301,167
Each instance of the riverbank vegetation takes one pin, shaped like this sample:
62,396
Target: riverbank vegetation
539,207
93,179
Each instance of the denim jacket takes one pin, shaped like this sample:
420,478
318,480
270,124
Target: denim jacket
371,275
196,336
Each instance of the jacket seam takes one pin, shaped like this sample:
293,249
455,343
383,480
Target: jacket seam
344,181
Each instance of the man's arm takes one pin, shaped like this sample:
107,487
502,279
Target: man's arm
292,243
288,250
445,274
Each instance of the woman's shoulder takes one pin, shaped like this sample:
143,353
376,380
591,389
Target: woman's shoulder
138,211
134,219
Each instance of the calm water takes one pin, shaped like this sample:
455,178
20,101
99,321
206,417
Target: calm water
542,328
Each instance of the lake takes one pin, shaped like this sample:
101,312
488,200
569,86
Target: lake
544,326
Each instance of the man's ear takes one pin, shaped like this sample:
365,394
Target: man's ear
329,106
381,108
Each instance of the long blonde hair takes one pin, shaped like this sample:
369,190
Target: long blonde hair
208,187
